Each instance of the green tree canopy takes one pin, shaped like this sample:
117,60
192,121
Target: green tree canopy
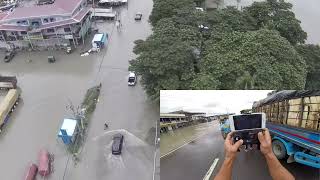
311,54
254,60
168,8
277,14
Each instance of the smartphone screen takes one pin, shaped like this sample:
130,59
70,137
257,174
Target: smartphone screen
249,121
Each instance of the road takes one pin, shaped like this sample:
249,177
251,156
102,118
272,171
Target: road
47,90
192,162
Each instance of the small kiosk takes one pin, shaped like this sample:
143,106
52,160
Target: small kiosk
68,130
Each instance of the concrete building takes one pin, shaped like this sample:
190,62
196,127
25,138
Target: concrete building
62,22
172,121
191,116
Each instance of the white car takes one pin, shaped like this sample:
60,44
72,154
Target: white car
132,79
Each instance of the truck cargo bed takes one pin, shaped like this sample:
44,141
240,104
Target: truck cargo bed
304,138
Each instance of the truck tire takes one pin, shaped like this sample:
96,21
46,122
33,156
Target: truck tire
279,149
223,135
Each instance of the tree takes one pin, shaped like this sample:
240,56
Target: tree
311,54
168,8
277,15
256,59
165,60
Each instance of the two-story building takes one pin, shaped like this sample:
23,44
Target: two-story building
62,22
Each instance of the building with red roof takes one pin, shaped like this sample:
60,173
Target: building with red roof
59,23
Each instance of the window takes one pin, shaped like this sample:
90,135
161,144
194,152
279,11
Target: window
50,30
67,29
23,32
52,19
45,20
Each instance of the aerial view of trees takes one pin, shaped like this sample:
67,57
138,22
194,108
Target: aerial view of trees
258,47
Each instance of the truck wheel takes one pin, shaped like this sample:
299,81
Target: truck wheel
279,149
223,135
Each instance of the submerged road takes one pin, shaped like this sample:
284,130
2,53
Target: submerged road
194,160
48,88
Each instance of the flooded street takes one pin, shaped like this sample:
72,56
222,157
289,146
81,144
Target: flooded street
48,88
178,137
306,11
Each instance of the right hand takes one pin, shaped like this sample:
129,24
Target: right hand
265,142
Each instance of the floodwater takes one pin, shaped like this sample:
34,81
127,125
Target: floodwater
48,88
178,137
306,11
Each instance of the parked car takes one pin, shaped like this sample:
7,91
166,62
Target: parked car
117,144
138,16
51,59
132,80
9,55
32,172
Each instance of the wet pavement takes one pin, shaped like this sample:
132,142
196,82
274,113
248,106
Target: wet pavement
193,160
48,88
306,11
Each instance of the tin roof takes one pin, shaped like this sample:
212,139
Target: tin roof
59,7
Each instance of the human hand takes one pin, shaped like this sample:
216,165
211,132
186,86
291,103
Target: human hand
231,148
265,142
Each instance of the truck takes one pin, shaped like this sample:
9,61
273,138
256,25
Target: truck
293,119
7,105
8,82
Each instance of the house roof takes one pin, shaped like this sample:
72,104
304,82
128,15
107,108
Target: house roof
59,7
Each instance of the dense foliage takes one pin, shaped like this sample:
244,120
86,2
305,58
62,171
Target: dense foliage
311,54
259,47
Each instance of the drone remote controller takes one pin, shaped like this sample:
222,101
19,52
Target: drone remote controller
249,137
247,127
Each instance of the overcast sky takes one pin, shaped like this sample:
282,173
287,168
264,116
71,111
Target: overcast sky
209,101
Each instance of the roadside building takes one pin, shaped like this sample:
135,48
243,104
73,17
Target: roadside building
192,117
172,121
56,23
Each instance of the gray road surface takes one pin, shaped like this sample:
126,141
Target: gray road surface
194,160
47,89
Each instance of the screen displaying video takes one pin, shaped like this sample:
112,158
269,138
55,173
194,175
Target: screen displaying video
249,121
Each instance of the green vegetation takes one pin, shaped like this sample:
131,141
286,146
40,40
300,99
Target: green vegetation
259,47
86,110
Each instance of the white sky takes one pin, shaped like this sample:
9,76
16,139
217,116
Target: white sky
209,101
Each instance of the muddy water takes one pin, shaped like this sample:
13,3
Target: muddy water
48,88
176,138
306,11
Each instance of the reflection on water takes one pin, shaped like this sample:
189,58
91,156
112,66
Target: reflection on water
175,138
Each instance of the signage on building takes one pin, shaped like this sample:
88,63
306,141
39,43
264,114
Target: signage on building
33,37
69,36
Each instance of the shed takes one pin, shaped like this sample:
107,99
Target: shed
68,130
